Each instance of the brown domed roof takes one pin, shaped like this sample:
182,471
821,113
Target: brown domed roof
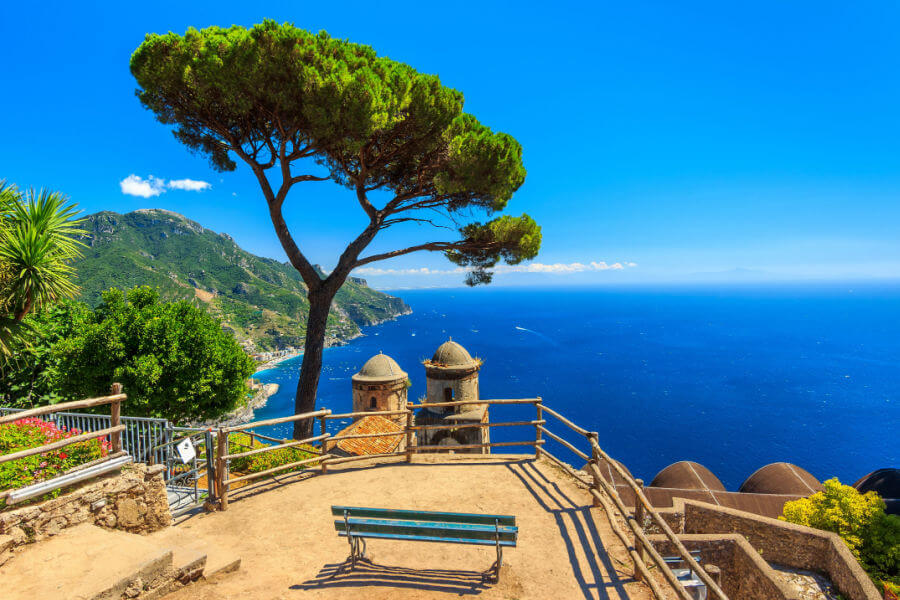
380,367
687,475
886,483
451,354
781,478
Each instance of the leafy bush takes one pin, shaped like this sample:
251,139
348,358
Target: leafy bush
240,442
173,358
29,378
872,535
33,432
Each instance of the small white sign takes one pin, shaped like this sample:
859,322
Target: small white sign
186,450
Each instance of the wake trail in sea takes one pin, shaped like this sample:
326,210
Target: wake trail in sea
539,334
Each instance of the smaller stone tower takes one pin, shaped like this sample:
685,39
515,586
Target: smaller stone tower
380,385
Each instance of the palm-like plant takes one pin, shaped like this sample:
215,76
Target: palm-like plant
38,240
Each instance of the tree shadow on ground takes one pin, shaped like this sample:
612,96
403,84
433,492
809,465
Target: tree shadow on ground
366,574
575,518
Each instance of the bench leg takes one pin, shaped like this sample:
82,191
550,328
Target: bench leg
357,548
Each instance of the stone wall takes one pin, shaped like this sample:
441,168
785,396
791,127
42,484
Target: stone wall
133,500
783,543
743,573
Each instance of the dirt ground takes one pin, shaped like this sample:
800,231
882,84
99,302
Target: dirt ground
284,532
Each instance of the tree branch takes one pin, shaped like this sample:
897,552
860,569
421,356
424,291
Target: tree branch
298,260
431,247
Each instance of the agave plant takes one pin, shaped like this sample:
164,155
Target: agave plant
38,241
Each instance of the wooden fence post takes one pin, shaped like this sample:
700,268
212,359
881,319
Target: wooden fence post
322,422
221,469
595,460
410,421
538,434
115,418
639,518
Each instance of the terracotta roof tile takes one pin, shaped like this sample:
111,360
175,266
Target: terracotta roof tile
374,445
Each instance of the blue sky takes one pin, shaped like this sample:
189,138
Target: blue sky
683,141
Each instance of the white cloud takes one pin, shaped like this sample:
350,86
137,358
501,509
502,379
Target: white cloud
190,185
561,268
145,188
135,185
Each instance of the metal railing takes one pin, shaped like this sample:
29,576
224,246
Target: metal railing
114,431
143,438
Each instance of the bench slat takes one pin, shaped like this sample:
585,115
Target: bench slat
362,527
425,538
422,515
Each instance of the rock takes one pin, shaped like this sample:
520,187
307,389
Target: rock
127,513
6,542
5,556
18,535
55,525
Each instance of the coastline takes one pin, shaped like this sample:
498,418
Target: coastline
330,342
243,414
275,361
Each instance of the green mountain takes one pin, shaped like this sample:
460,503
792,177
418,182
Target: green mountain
262,300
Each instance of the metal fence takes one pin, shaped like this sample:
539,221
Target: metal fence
144,438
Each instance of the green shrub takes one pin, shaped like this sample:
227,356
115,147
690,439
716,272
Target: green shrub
33,432
872,535
240,442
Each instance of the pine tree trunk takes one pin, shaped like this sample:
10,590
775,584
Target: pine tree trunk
316,323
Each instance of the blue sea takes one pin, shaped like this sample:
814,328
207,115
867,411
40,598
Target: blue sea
731,377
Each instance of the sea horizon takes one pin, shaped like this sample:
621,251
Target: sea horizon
731,378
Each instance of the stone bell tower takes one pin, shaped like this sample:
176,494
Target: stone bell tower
380,385
450,376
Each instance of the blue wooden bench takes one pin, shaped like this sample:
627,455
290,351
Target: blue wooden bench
358,524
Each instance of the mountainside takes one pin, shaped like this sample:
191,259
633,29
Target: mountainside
260,299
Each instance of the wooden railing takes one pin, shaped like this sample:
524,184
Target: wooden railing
641,550
606,495
89,469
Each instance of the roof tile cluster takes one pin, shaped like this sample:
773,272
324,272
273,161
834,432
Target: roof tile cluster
376,445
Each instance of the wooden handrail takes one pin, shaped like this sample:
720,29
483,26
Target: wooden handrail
474,425
660,522
60,444
639,534
468,446
62,406
359,436
467,402
565,443
639,563
274,469
277,447
366,413
565,421
267,422
344,459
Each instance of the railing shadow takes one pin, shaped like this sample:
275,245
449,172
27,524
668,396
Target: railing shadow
366,574
572,516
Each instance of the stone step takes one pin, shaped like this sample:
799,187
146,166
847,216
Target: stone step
218,561
87,563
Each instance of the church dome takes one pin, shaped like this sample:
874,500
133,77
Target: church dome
886,483
380,367
451,354
781,478
687,475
